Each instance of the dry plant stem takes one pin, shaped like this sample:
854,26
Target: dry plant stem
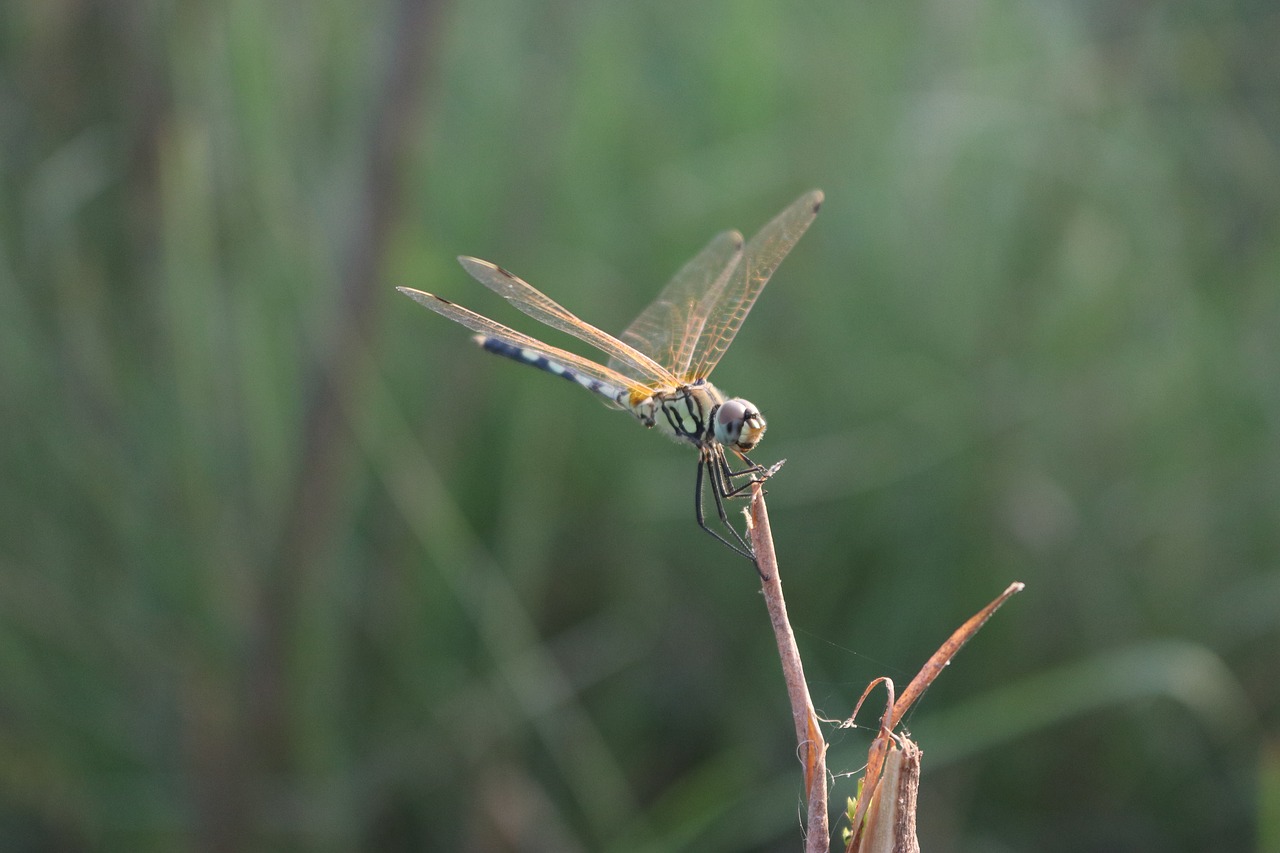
942,657
812,747
891,820
897,832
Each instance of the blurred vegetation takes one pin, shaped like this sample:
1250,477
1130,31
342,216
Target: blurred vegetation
285,562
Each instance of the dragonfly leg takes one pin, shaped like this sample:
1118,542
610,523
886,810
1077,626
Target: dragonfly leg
708,466
732,491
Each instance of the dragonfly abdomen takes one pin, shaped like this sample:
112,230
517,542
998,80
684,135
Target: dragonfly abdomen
497,346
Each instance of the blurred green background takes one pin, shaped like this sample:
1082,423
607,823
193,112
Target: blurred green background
287,563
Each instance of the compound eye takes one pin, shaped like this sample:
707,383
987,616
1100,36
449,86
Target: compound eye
738,423
729,420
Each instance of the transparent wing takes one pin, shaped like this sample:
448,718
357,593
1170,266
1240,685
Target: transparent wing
485,326
722,310
669,328
542,308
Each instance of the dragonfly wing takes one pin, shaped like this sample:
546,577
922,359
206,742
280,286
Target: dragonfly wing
490,328
670,327
545,310
723,310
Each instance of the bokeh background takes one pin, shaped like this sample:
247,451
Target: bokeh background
287,563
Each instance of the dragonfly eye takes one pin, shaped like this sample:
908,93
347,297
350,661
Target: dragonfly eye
739,424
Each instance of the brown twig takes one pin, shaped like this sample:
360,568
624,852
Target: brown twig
942,657
812,747
895,760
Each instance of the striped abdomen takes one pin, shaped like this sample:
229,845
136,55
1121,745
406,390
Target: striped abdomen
497,346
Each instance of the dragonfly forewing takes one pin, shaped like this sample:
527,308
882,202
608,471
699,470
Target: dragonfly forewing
724,309
546,310
492,328
668,330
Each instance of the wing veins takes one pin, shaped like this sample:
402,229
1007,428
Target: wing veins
668,330
547,311
492,328
724,309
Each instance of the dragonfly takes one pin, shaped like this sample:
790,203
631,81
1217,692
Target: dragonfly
658,368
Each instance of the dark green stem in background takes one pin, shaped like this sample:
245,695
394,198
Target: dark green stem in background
324,451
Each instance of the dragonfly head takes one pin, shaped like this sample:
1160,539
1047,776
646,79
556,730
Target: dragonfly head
739,424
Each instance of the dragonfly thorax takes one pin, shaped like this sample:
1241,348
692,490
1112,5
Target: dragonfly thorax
699,414
739,424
